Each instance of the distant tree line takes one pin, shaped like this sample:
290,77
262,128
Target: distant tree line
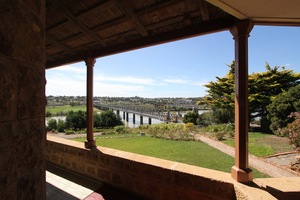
77,121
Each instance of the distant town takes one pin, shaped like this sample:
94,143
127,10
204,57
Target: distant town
178,102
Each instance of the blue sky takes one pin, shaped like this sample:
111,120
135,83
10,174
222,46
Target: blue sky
177,69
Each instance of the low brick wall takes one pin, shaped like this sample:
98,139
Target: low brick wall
146,176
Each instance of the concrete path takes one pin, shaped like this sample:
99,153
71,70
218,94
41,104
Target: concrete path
258,163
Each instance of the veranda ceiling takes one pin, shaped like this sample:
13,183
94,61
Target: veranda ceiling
76,29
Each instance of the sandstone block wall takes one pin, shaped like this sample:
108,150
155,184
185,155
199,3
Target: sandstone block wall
149,177
22,99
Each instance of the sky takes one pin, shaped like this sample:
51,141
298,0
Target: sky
177,69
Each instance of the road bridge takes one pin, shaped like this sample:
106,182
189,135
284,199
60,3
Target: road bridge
141,111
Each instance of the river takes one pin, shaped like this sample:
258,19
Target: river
130,120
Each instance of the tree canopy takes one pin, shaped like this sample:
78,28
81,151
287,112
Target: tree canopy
107,119
266,85
191,117
76,120
262,87
282,106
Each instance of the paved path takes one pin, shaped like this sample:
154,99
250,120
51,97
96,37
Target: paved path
258,163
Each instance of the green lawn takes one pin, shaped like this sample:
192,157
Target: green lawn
189,152
261,144
66,108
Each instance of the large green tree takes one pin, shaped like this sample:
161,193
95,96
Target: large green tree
75,120
282,106
221,97
266,85
262,87
107,119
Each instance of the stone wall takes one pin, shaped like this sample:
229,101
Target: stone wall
146,176
22,99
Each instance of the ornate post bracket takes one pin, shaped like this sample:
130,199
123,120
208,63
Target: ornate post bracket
241,171
90,141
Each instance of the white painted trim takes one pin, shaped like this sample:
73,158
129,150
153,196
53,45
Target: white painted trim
227,8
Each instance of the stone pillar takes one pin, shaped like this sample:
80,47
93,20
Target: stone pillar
22,97
127,116
241,171
141,120
133,118
90,141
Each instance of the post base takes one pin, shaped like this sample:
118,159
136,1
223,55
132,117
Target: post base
89,144
242,176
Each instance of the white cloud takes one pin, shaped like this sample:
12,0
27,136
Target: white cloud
65,86
116,87
70,80
71,69
69,87
177,80
107,89
126,79
200,83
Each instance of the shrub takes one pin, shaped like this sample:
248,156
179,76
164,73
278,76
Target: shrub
281,107
189,126
223,115
144,126
221,130
191,117
220,135
120,129
295,166
48,114
60,125
294,129
171,131
52,124
205,119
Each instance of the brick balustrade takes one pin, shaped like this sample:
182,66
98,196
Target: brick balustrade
146,176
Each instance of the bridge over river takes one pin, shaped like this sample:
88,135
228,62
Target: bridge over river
142,112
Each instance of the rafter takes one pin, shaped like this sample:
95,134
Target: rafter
158,7
205,28
78,23
95,10
124,6
86,14
201,5
129,25
56,42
